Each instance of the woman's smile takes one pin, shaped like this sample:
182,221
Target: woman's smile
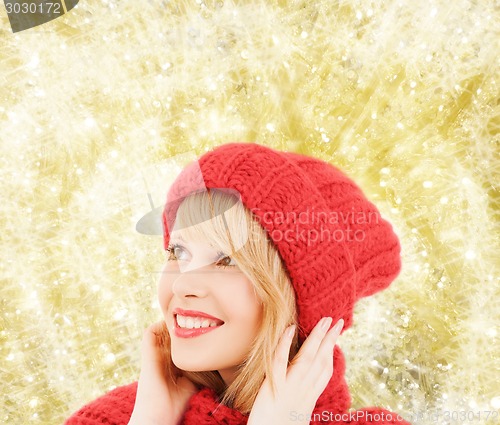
190,331
192,323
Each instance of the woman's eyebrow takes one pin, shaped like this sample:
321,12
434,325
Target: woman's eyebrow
217,250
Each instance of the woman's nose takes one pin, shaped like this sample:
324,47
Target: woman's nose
191,282
194,265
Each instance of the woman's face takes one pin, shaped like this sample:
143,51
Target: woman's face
196,281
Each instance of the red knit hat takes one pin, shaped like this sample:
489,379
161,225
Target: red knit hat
335,245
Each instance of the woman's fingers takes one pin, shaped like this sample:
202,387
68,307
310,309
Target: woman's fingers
154,335
323,362
152,350
319,341
310,347
280,363
315,357
329,340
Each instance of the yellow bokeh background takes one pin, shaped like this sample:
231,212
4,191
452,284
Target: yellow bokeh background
99,107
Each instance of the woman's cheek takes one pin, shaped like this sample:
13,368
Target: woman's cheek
164,293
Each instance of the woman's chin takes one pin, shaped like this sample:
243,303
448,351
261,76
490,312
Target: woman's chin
189,366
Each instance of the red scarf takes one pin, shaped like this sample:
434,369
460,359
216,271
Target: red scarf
115,407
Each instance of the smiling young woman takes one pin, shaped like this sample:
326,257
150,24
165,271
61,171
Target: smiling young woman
256,275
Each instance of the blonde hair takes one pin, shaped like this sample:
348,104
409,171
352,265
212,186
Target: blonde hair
217,216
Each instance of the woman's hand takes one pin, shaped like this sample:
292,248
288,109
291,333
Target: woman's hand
158,401
299,385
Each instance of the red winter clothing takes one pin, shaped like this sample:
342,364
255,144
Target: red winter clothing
115,408
303,198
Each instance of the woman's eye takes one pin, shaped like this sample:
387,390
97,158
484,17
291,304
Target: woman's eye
174,252
225,262
178,252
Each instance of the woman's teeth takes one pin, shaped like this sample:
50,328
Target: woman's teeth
194,322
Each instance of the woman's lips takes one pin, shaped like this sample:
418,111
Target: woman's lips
195,313
191,333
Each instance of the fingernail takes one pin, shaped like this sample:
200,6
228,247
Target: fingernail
338,326
326,322
291,331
